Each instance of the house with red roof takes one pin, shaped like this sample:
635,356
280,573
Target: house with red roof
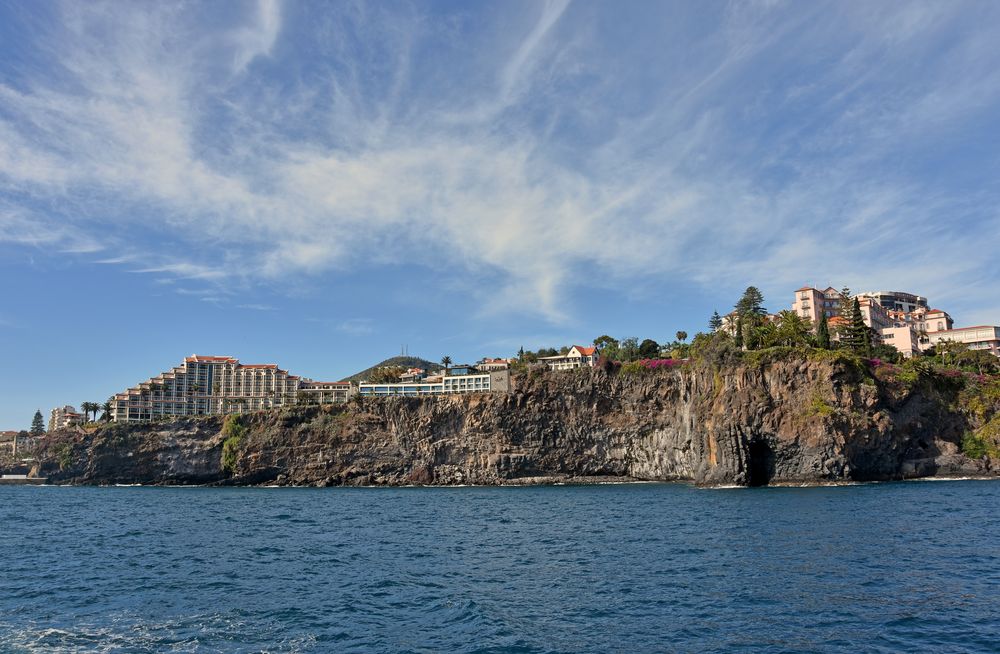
578,356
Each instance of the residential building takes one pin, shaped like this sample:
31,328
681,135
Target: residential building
489,365
899,319
211,385
577,357
904,338
812,303
980,337
495,381
64,416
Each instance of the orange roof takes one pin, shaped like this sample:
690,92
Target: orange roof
585,351
806,288
258,365
836,320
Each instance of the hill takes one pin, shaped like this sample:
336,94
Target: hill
404,362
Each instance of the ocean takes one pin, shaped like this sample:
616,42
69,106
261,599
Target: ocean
900,567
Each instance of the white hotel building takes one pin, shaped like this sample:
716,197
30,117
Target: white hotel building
212,385
496,380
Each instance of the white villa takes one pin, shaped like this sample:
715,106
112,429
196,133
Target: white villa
577,357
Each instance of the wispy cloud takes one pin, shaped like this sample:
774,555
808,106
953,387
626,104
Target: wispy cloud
788,142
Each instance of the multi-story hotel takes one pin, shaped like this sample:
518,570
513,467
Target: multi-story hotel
902,320
206,385
497,380
64,416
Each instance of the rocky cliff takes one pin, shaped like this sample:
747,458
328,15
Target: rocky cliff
799,420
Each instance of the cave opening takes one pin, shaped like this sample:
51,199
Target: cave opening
761,463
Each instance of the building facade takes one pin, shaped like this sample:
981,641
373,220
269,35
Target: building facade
900,319
980,337
213,385
64,416
487,382
577,357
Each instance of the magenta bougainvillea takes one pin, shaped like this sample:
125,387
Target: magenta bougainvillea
653,364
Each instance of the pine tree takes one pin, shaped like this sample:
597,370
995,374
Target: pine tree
715,322
823,332
739,332
846,304
37,424
857,336
752,303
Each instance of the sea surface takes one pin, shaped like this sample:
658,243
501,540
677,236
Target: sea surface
904,567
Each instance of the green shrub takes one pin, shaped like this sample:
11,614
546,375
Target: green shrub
976,447
234,431
819,407
64,455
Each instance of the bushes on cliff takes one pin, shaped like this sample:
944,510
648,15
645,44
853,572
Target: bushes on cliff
234,431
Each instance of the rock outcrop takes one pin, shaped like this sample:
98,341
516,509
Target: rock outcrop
793,421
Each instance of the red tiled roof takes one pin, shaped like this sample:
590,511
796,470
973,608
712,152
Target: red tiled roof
258,365
585,351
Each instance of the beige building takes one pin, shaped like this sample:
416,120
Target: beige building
212,385
64,416
981,337
314,392
812,303
577,357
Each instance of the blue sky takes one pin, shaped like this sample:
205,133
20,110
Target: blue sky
317,185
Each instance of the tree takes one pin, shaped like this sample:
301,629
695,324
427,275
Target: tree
388,374
682,336
89,408
608,347
792,329
752,303
520,354
857,336
715,322
846,304
446,362
823,332
605,341
629,349
649,349
739,333
106,408
37,424
750,312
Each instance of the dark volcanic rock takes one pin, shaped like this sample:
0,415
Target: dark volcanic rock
797,421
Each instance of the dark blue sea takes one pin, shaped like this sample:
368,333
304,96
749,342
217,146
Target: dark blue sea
906,567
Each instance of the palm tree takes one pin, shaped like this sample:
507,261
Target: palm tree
89,407
446,361
681,336
106,408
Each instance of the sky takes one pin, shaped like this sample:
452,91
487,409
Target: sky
323,185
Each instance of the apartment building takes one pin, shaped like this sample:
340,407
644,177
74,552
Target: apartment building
64,416
812,303
211,385
475,382
577,357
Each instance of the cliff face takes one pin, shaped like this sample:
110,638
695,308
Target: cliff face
798,421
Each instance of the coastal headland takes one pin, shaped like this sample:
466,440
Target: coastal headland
786,417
